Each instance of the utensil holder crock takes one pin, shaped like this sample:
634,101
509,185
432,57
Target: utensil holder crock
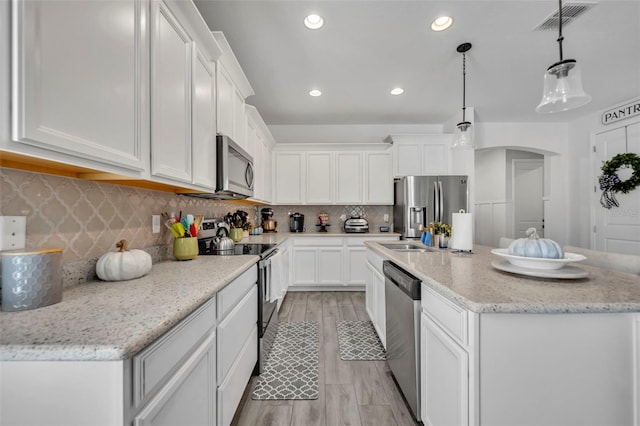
236,234
31,280
185,248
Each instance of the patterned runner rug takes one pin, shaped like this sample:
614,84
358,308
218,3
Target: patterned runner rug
359,342
291,371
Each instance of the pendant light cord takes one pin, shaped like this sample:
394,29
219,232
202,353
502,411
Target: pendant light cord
560,37
464,84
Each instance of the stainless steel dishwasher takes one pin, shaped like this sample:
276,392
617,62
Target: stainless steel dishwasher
402,299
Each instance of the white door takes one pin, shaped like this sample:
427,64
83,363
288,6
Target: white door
203,125
617,229
528,190
319,178
349,177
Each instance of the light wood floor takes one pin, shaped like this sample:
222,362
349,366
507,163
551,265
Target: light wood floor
351,392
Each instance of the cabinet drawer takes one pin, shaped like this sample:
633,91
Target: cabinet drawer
229,296
153,366
375,260
230,391
318,241
451,317
234,329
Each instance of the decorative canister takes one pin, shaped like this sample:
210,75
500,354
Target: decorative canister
236,234
185,248
31,280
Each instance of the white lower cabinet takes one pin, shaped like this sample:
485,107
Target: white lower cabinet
526,368
187,397
444,377
375,295
330,261
237,342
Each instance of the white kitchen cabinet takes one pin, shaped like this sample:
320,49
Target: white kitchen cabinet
444,377
224,106
259,141
289,182
422,154
237,348
378,182
375,297
187,397
81,94
319,178
171,65
233,88
204,126
330,261
349,178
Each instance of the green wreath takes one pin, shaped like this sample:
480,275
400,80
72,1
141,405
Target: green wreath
610,182
611,167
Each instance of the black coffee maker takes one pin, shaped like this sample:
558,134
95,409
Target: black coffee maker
296,222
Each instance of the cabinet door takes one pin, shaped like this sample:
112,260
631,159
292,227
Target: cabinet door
444,377
225,93
189,396
304,265
289,179
435,155
408,159
171,96
268,173
81,81
319,178
369,295
356,266
378,178
250,137
349,177
204,128
239,120
380,322
330,265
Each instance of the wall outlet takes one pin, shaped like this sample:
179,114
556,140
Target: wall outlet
386,217
13,232
155,224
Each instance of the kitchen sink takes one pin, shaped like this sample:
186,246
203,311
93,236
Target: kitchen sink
408,247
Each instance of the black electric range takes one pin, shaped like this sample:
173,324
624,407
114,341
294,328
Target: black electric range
206,247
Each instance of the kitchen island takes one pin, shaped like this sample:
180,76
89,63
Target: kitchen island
503,349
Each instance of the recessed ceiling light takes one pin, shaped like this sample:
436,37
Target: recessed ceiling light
397,91
441,23
315,92
313,22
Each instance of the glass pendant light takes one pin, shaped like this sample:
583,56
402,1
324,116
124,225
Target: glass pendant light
463,137
562,82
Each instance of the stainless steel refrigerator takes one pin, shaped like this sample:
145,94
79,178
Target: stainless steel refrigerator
420,200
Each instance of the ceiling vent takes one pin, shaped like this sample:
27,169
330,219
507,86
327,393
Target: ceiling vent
570,11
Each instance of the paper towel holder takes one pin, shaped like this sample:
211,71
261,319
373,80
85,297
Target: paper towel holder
452,245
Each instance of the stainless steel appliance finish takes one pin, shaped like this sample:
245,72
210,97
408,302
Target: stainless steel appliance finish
356,225
296,222
402,300
420,200
234,172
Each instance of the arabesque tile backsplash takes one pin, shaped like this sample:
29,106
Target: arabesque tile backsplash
87,218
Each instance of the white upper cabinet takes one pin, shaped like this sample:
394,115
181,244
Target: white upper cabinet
233,89
349,178
204,124
378,178
333,177
259,141
320,178
81,83
422,154
171,65
289,177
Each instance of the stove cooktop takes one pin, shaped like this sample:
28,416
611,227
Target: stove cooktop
206,247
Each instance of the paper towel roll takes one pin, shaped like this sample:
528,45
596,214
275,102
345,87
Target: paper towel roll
462,231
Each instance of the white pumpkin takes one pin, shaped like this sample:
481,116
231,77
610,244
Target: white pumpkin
123,264
534,246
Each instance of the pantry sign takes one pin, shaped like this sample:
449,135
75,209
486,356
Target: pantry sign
628,110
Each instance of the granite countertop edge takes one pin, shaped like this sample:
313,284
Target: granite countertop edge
502,304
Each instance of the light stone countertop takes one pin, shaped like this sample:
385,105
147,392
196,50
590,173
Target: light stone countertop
470,281
101,321
278,237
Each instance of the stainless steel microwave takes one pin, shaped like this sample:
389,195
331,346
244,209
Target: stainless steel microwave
234,172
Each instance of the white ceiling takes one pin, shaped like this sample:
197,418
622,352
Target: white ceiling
368,47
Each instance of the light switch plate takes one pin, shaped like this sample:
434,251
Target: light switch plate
155,223
13,232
